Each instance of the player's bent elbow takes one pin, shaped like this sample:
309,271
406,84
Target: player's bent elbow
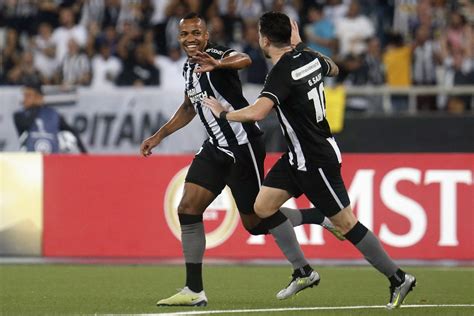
334,71
246,60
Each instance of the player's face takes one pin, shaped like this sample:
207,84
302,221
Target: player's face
193,36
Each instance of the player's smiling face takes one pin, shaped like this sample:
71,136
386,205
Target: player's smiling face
193,35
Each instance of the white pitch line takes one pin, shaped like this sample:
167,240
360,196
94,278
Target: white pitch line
289,309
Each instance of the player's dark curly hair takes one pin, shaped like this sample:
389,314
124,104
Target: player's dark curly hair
193,15
276,27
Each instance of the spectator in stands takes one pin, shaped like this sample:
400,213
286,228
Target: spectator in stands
141,71
93,32
45,53
366,70
171,69
457,37
41,128
158,22
320,34
405,12
21,15
111,13
128,42
288,7
68,30
257,71
24,70
335,9
10,55
424,18
177,9
425,56
232,23
109,37
105,68
75,68
397,63
217,31
352,31
247,9
459,70
48,12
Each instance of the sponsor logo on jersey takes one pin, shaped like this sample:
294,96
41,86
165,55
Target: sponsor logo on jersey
214,51
305,70
196,97
220,218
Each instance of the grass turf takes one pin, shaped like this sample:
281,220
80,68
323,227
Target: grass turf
89,289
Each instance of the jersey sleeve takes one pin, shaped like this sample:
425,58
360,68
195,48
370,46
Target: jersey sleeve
277,85
218,51
325,66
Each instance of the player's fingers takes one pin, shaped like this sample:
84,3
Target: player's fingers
208,102
145,150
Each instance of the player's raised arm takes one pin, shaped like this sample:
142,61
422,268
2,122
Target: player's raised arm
180,118
252,113
298,44
234,61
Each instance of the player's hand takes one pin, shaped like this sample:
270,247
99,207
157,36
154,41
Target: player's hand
295,34
205,62
148,144
214,105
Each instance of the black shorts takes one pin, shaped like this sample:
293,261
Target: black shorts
323,186
240,167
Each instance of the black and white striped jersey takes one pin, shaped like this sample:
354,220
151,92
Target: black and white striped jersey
295,85
225,86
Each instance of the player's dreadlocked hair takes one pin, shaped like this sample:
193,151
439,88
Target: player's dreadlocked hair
276,27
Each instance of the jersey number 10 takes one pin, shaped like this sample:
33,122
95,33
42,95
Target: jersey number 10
317,95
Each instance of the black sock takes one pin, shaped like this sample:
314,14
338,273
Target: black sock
312,216
303,271
194,277
398,278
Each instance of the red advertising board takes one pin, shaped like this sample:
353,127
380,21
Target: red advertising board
420,206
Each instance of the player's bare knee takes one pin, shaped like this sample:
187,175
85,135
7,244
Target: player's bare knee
185,207
261,210
344,226
344,221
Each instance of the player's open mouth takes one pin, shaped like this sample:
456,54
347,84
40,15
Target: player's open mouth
192,46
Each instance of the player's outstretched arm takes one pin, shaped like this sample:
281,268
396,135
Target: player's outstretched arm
252,113
234,61
180,118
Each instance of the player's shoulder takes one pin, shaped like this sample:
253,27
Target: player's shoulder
300,64
217,51
283,65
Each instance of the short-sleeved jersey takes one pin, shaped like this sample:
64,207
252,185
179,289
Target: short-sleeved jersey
295,85
225,86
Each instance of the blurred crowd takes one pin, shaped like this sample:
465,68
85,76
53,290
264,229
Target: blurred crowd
106,43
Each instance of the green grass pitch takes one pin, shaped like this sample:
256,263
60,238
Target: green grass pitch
134,289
